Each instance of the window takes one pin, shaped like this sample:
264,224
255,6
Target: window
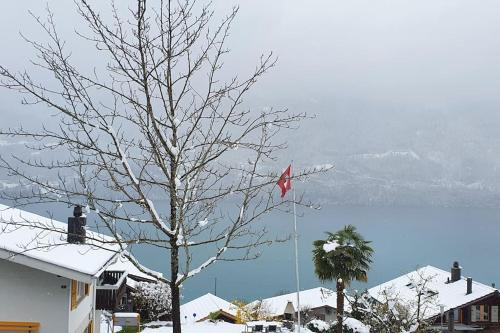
480,313
494,314
78,292
456,315
475,313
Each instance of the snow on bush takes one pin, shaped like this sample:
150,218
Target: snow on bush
356,326
153,300
318,326
351,325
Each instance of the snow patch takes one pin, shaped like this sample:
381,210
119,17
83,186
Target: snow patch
203,223
400,154
330,246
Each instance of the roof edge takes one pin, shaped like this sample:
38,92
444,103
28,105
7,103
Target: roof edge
44,266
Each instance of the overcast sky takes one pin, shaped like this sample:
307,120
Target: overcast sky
379,75
433,52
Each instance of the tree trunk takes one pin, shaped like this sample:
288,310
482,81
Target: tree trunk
340,305
176,300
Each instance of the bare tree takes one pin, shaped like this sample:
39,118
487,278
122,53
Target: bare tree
259,310
393,312
157,144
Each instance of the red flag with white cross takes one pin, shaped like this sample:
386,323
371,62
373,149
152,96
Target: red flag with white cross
285,181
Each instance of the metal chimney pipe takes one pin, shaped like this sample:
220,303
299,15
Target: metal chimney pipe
469,285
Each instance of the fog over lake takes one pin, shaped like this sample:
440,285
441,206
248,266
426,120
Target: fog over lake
405,93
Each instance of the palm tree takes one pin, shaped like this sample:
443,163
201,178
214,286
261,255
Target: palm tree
343,256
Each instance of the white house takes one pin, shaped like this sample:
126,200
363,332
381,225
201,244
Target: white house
123,299
320,303
134,274
44,278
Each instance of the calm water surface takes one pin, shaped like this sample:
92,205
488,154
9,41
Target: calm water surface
403,238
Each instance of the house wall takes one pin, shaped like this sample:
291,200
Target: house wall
493,305
27,294
325,313
465,314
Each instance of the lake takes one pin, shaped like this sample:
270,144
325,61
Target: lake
402,237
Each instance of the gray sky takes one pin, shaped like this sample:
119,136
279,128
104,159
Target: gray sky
431,52
403,75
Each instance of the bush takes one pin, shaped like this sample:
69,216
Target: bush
152,300
319,326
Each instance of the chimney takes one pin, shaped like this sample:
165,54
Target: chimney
76,226
469,285
493,285
456,272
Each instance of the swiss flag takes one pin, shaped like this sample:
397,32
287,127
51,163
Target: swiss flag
285,181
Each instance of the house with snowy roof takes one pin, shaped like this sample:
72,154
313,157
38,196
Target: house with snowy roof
122,299
50,272
461,303
320,303
207,307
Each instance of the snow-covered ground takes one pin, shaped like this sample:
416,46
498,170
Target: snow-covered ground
203,327
207,327
223,327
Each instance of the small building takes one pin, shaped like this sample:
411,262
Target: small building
209,307
470,304
50,271
317,303
123,300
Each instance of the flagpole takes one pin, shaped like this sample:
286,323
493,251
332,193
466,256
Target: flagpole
296,257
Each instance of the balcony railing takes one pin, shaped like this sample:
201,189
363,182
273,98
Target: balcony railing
110,290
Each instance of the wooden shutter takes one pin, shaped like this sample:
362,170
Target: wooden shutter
74,286
87,289
494,313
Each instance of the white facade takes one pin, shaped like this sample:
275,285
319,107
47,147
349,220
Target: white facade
38,268
30,295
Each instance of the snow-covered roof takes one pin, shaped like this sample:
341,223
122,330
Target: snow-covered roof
124,264
36,241
311,298
204,305
437,290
